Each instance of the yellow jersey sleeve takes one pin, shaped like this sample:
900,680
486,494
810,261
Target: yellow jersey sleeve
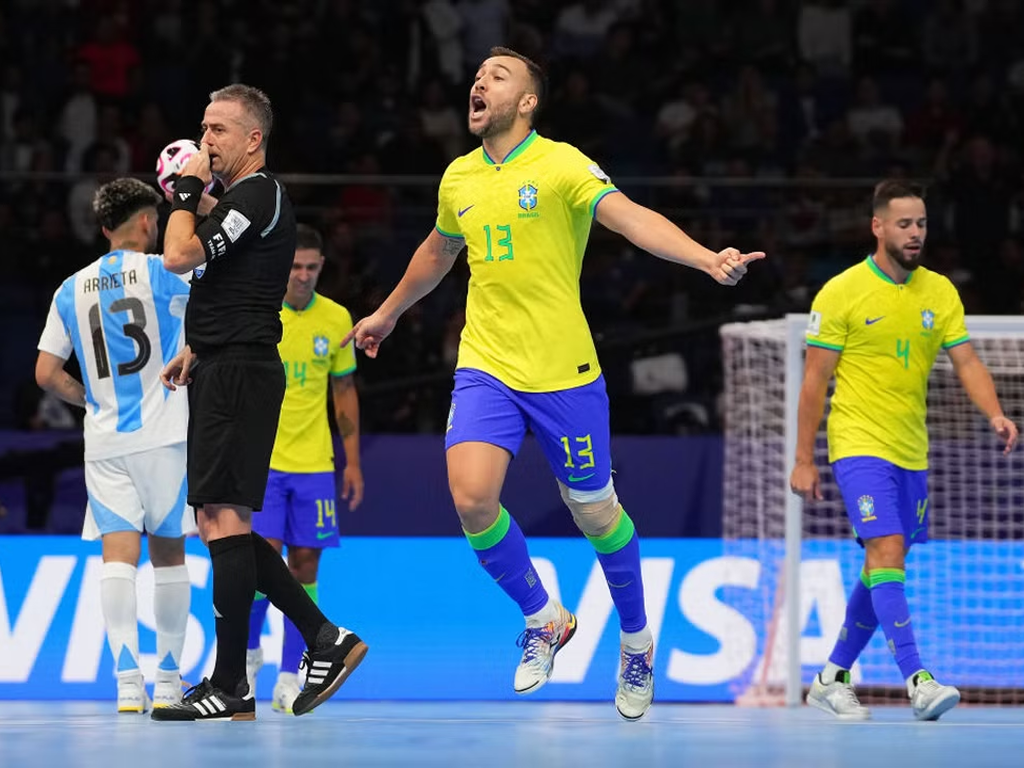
827,326
447,215
955,331
343,360
582,183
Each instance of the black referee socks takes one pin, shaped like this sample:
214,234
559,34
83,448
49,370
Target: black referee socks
275,581
234,584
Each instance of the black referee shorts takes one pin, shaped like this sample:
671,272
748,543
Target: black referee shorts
234,404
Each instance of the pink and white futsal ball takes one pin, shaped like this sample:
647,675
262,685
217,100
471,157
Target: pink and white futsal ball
172,159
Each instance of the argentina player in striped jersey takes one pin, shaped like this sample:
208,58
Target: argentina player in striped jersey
122,317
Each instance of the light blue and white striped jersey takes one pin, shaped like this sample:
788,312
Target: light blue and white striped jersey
122,316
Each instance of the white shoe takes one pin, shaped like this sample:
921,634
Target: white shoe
286,690
636,683
253,665
929,698
540,644
837,698
167,690
131,694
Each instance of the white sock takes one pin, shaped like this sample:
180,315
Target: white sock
544,616
117,598
287,677
172,596
637,642
828,674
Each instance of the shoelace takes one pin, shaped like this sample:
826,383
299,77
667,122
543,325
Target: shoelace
928,686
305,663
637,672
848,695
533,639
197,691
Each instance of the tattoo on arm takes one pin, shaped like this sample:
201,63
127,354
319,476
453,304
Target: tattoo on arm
345,426
453,247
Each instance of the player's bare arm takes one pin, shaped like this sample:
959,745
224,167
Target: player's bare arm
977,383
431,262
51,376
176,373
819,366
183,250
346,414
657,235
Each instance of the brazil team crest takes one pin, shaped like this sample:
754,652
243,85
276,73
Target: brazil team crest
321,346
528,196
927,319
866,506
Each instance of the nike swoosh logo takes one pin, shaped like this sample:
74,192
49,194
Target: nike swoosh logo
465,209
870,321
574,479
916,531
903,624
862,626
324,534
620,586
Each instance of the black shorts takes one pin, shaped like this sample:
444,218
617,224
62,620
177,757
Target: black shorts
234,403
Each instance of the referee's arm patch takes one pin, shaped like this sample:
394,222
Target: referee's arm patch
234,224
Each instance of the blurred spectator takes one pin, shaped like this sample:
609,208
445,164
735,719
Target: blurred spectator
582,26
825,35
765,36
870,117
884,39
110,58
950,37
484,25
576,117
441,121
445,23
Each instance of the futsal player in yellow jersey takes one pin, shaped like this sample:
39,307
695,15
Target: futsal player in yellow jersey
522,205
299,506
878,327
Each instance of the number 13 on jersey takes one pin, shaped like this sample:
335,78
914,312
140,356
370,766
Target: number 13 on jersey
502,246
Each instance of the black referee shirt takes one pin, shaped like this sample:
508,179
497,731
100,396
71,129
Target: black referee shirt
249,239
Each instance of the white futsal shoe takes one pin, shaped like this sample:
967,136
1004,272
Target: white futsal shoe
253,665
286,691
131,694
929,698
838,698
635,692
540,644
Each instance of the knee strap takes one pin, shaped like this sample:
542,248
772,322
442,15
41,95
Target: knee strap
595,517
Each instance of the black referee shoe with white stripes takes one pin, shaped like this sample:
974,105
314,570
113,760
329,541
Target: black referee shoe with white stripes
205,702
338,652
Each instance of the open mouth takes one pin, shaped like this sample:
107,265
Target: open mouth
913,248
477,106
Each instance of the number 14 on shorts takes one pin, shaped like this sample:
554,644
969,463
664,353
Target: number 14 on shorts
325,508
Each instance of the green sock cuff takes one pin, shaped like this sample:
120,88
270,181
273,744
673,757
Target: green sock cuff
313,591
886,576
491,535
617,537
259,596
865,579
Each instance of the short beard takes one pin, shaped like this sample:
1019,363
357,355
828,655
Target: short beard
908,264
500,122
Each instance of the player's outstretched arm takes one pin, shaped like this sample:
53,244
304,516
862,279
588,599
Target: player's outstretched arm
978,384
51,376
657,235
819,366
431,262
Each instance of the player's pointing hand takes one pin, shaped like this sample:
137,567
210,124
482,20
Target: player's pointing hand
729,265
369,332
1007,432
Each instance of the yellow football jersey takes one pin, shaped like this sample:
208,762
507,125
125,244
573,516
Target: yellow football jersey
526,222
311,353
888,335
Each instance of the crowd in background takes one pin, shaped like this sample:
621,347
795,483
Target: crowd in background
736,119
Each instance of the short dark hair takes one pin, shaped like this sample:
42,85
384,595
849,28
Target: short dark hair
118,200
538,79
255,102
308,238
893,189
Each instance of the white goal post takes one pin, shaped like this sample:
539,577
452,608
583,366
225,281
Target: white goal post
965,586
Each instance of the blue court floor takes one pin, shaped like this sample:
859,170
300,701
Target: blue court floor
522,734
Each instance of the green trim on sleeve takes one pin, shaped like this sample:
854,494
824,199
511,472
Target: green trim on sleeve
448,234
599,197
490,536
824,345
346,372
957,342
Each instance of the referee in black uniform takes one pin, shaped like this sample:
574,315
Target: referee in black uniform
240,255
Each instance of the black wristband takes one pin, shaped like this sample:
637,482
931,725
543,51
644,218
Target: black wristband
188,190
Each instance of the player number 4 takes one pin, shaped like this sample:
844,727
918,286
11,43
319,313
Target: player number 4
903,351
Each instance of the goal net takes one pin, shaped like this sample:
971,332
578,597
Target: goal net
965,586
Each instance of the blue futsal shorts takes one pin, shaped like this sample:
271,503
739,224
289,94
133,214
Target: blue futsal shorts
882,499
299,509
571,425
